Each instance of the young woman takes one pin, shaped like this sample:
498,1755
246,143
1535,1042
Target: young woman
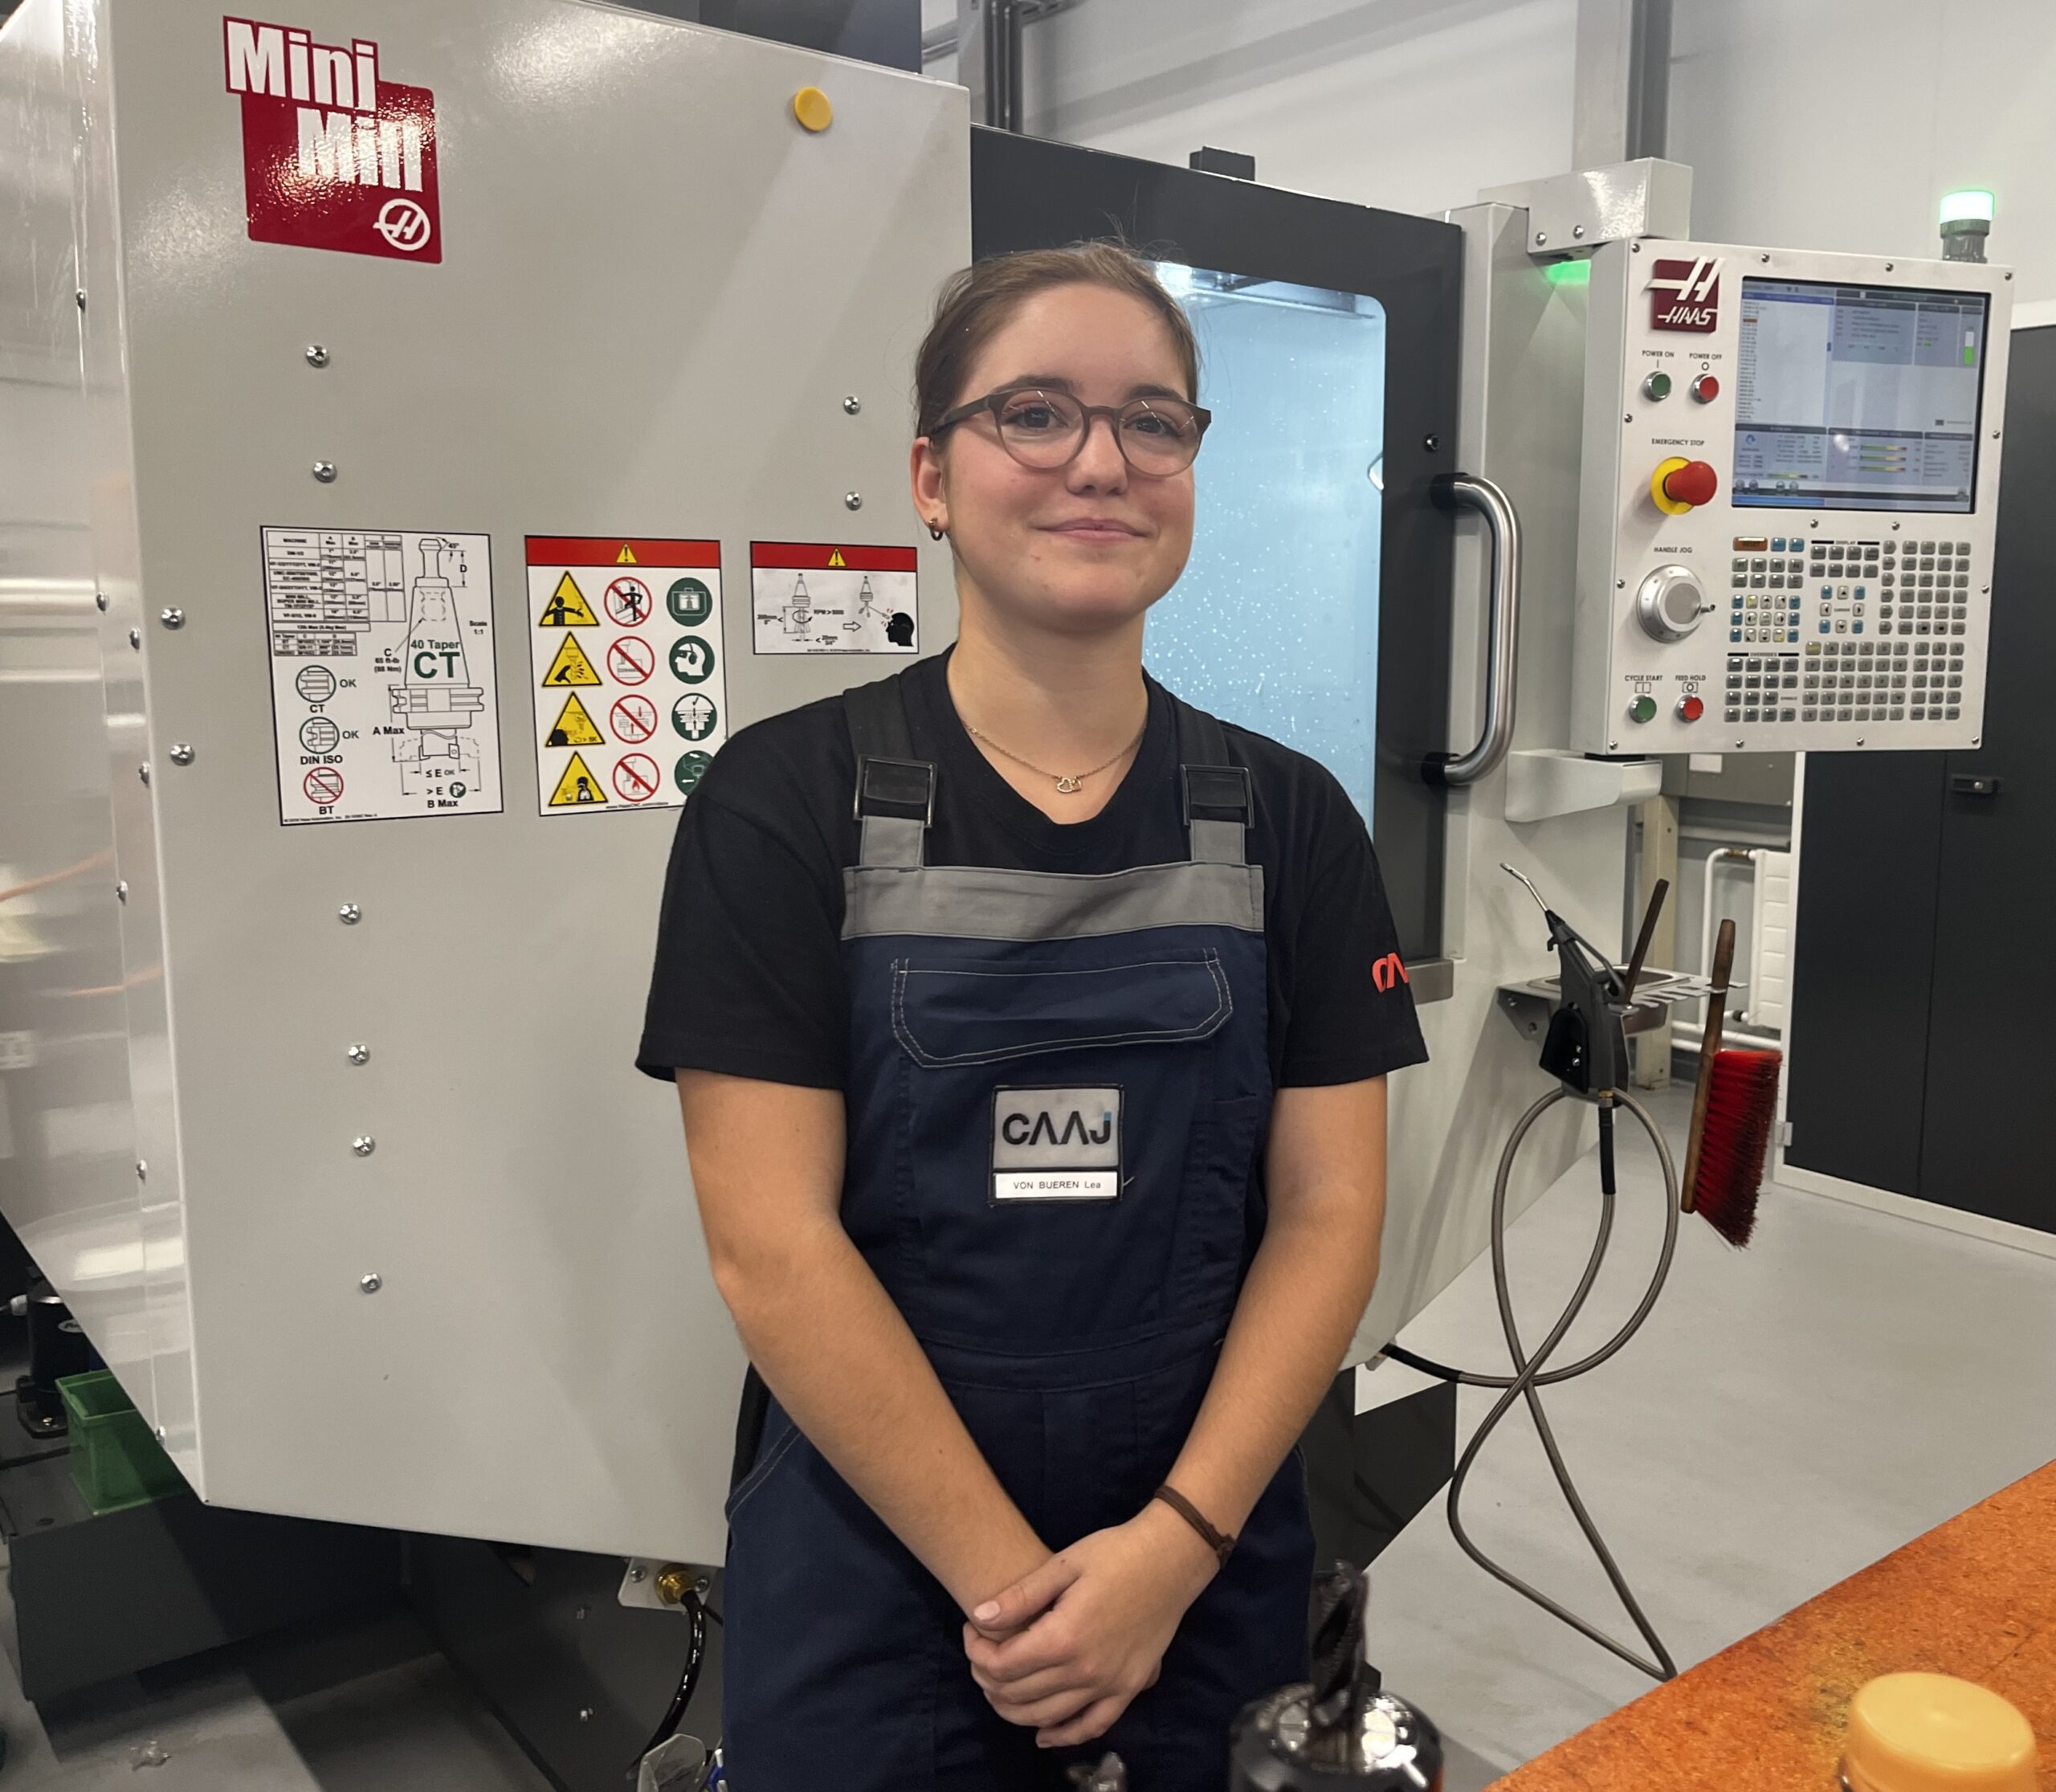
1033,1077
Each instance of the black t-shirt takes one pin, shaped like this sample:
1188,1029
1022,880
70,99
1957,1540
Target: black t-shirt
749,978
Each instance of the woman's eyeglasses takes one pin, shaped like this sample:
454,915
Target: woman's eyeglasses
1045,430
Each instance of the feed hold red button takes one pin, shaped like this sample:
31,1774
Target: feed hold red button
1695,482
1690,709
1706,388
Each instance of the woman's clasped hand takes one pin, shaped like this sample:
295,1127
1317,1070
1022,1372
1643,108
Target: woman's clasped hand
1064,1649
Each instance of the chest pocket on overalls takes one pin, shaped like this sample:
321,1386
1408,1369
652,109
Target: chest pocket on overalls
1076,1163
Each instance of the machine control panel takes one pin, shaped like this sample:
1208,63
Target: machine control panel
1790,471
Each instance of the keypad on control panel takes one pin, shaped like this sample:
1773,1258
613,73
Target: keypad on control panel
1766,580
1910,586
1880,681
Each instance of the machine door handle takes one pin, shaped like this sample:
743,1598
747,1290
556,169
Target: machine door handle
1469,492
1973,784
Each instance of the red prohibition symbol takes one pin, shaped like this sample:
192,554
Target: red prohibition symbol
635,778
629,602
630,658
634,719
323,785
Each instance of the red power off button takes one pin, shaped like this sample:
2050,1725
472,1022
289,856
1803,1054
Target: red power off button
1690,709
1706,389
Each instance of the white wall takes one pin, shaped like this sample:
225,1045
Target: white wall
1829,124
1937,94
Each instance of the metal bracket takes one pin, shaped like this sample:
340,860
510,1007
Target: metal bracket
1528,1006
1573,213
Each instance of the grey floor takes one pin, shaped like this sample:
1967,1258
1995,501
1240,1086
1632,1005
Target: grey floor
1790,1414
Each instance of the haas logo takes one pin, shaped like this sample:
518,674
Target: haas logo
1388,971
1685,295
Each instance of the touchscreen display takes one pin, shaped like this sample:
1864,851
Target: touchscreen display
1857,397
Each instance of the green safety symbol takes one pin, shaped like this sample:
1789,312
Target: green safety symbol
690,768
692,659
694,716
691,603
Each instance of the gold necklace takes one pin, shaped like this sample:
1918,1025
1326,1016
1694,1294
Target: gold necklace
1069,784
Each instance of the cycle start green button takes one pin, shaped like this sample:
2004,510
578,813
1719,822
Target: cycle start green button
1642,709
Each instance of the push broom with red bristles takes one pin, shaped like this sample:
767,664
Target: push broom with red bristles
1733,1109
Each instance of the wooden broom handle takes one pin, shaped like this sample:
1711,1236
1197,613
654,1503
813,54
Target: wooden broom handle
1716,1021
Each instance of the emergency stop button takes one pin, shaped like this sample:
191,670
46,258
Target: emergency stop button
1679,485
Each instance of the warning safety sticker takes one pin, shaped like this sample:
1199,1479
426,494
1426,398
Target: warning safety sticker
629,667
382,693
817,598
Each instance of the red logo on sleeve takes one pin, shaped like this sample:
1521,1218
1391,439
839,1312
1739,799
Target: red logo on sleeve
1388,971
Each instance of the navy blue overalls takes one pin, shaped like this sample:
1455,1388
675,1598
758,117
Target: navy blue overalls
1058,1087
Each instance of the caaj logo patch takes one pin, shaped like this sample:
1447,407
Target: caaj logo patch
1685,295
1056,1144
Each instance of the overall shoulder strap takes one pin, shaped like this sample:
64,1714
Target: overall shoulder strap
1219,805
895,791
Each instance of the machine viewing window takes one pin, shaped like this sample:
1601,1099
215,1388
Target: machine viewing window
1857,397
1274,624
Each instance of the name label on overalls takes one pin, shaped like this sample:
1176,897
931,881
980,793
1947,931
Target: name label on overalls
1056,1144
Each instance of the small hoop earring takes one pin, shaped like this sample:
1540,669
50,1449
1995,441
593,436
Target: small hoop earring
936,533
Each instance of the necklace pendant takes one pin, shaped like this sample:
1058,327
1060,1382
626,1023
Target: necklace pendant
1069,786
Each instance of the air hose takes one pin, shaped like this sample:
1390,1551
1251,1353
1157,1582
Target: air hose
1531,1374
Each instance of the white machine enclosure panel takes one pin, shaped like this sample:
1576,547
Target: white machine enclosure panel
404,1053
628,670
1791,470
383,692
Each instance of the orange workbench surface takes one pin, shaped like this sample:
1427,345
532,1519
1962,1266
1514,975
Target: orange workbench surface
1976,1597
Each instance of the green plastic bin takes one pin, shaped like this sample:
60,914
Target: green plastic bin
115,1460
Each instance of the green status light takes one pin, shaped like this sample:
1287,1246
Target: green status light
1971,203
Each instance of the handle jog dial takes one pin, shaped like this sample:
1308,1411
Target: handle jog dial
1669,603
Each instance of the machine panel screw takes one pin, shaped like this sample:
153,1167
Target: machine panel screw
371,1284
182,753
1431,442
579,1612
162,1433
136,637
364,1144
638,1572
585,1714
852,500
121,891
1620,585
1859,740
325,471
80,295
1738,740
1888,267
852,405
359,1054
317,355
171,618
99,601
143,772
1635,248
1578,230
1541,238
142,1171
350,914
1764,259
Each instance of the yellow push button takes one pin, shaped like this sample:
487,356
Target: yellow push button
1932,1733
811,107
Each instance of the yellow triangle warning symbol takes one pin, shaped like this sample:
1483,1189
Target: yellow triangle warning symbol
573,728
627,557
835,556
567,607
571,666
576,786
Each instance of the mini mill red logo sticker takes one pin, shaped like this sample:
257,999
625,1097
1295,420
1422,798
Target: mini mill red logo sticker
1685,295
335,155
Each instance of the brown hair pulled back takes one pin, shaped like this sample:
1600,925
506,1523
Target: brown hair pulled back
975,303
